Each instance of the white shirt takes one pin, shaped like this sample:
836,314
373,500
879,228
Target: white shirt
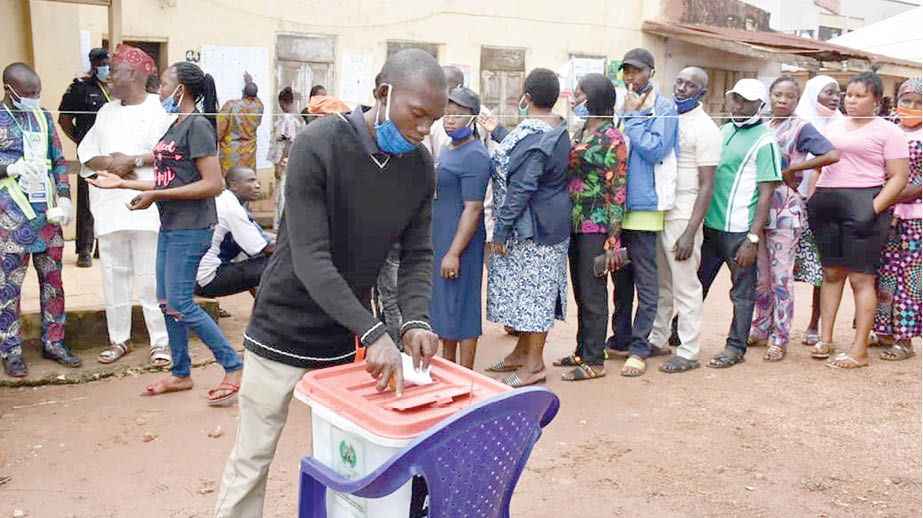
699,145
130,130
234,228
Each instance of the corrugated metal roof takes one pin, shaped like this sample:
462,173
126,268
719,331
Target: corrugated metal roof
772,42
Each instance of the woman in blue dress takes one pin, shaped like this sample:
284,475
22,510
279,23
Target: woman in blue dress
458,231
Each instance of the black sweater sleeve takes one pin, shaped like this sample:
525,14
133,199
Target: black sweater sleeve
310,244
415,277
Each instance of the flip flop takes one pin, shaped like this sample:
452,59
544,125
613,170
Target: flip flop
845,357
225,400
822,351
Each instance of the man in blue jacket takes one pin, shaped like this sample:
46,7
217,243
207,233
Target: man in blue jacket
650,122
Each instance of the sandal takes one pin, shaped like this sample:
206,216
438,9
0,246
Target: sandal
583,372
898,352
502,366
678,364
568,361
161,357
513,380
822,351
775,353
113,353
225,400
634,367
843,357
161,387
810,338
727,358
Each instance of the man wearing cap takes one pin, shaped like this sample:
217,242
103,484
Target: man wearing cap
650,124
121,142
748,172
83,98
34,203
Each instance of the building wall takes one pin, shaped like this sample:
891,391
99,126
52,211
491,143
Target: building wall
15,33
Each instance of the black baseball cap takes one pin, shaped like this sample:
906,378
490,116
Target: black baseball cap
467,98
638,58
100,53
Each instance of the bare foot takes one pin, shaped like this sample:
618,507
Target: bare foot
171,384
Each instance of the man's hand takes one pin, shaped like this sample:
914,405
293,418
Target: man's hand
423,345
383,362
451,266
633,101
106,181
746,254
788,176
121,164
684,245
142,201
247,78
490,122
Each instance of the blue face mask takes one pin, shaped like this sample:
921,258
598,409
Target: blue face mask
169,104
581,110
387,136
26,104
460,133
682,106
102,73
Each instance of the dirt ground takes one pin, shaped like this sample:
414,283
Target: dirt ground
758,440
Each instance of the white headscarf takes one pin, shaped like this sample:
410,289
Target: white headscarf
807,105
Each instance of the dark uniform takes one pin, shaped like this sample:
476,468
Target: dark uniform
85,94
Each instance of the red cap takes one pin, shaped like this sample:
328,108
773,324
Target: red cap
133,56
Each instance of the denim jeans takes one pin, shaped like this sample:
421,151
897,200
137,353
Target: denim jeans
178,256
640,275
719,248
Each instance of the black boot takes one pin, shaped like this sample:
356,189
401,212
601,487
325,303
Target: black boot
62,355
15,366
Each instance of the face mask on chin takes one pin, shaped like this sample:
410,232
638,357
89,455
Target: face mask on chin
689,103
909,117
387,136
26,104
749,121
170,104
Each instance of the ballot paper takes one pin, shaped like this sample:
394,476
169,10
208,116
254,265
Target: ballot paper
414,376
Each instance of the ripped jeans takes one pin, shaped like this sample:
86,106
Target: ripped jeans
178,256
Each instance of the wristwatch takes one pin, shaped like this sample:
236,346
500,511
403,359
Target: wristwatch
139,161
753,238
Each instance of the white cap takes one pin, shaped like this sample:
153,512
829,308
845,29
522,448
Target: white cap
750,89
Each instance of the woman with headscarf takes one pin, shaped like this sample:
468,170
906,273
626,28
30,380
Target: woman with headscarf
850,212
818,106
527,274
803,149
284,129
462,173
597,179
897,320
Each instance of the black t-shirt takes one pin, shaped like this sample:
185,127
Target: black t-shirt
83,95
174,166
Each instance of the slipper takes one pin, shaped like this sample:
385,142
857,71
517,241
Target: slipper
897,352
156,389
636,363
227,399
811,338
678,364
502,366
822,351
726,358
113,353
775,353
513,380
568,361
582,372
845,357
161,357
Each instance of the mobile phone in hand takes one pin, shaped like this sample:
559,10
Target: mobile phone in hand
600,268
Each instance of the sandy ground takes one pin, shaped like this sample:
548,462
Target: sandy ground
758,440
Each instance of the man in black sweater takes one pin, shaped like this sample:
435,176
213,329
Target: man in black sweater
356,184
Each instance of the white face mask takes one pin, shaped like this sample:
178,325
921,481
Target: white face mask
753,119
26,104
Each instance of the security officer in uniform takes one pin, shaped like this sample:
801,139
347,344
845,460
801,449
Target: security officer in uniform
83,98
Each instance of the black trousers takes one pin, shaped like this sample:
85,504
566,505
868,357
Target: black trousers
592,296
85,237
232,278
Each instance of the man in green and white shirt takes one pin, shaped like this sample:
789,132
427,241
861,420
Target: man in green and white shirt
748,172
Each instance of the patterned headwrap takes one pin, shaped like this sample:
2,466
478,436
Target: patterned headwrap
135,57
914,84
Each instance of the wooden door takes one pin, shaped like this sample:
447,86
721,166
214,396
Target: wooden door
502,76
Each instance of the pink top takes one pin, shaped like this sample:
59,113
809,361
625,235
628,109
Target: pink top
863,152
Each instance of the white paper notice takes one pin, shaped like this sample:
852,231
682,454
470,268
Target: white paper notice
85,50
355,78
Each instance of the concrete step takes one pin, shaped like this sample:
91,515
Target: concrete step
86,326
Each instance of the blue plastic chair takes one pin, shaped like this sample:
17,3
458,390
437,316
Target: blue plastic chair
471,461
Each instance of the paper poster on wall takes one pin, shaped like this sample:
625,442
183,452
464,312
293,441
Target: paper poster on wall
355,78
85,50
570,73
227,65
